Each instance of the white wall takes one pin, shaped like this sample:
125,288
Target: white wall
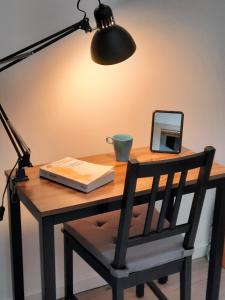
64,104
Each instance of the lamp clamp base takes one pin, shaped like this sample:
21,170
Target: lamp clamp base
24,161
20,175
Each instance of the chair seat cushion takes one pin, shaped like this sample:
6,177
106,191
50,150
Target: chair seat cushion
98,233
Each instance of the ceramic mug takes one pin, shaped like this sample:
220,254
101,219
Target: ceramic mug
122,144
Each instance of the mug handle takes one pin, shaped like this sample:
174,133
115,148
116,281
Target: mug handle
109,140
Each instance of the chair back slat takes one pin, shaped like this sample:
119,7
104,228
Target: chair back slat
178,198
151,205
165,202
171,197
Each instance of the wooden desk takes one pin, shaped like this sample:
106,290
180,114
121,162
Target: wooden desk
51,204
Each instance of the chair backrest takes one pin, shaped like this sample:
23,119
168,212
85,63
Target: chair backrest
171,196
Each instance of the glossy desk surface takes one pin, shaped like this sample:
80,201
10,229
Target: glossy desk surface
49,198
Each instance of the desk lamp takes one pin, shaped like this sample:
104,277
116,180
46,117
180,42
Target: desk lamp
111,44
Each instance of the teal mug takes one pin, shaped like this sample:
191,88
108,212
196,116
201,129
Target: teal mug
122,144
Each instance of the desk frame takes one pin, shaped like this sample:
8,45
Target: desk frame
47,245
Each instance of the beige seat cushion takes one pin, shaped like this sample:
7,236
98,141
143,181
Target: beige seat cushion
98,234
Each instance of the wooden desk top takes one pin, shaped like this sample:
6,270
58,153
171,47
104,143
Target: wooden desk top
50,198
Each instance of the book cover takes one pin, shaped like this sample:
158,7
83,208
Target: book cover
77,174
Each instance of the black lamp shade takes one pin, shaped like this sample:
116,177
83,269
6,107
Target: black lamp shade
111,43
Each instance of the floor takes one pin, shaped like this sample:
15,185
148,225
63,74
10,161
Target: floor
171,289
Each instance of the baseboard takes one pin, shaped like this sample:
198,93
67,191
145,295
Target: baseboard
201,251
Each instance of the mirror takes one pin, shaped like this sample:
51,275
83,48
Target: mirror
167,129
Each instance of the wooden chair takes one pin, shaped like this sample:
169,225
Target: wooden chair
137,245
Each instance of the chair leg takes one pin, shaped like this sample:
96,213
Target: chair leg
185,280
163,280
117,294
140,290
68,269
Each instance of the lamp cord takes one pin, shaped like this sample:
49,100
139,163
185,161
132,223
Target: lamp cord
83,11
7,183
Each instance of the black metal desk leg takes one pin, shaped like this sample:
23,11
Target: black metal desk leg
16,246
47,255
216,252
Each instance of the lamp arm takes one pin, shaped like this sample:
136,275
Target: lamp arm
9,132
23,153
22,54
22,150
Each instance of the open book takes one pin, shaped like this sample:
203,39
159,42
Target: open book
78,174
